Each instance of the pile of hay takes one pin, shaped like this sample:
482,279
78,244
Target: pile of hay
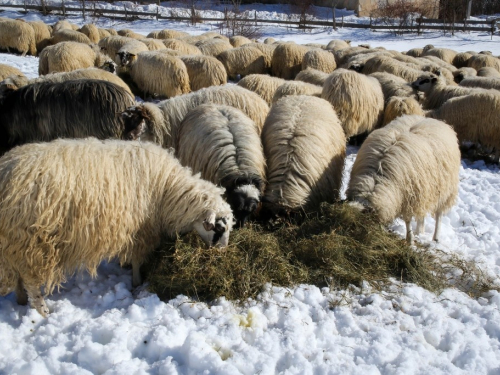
337,247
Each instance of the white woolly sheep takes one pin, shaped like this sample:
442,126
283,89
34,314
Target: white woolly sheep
460,60
444,54
112,44
62,25
358,100
163,121
68,56
128,52
179,45
390,65
153,44
167,34
436,90
482,61
91,31
475,118
18,36
342,55
263,85
287,60
407,169
483,82
153,196
464,72
320,60
43,34
213,47
304,146
238,41
170,77
415,52
488,72
312,76
357,61
103,33
269,40
204,71
7,70
242,62
267,50
398,106
87,73
66,35
224,145
337,44
296,88
394,86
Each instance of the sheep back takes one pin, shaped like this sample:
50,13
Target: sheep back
304,146
296,88
17,35
242,61
287,60
312,76
204,71
263,85
320,60
398,106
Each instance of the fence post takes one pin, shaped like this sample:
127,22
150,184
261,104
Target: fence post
25,8
126,17
255,16
342,22
157,12
63,9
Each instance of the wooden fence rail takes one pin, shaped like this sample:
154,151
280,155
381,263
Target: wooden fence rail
419,24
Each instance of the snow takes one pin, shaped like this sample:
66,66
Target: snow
98,326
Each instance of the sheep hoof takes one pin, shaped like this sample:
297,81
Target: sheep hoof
42,308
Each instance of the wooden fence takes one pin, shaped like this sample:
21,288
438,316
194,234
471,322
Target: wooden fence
417,26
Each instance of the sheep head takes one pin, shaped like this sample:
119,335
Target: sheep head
135,127
214,228
425,82
126,58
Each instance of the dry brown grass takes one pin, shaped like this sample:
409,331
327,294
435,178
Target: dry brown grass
337,247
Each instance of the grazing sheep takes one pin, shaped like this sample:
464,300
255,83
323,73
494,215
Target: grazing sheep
112,32
269,40
242,62
342,55
128,52
394,86
483,82
390,65
320,60
68,56
204,71
7,70
153,44
357,61
415,52
461,59
112,44
337,44
167,34
358,100
263,85
184,47
444,54
62,25
213,47
163,120
170,76
57,223
224,145
43,34
304,146
103,33
66,35
43,111
475,117
436,90
482,61
296,88
287,60
312,76
407,169
267,50
238,41
91,31
18,36
398,106
87,73
488,72
462,73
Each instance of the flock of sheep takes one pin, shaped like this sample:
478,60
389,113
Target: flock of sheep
276,140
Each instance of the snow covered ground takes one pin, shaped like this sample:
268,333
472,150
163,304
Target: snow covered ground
96,326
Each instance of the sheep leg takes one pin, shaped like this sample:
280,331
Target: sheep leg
496,159
409,232
420,226
136,274
36,300
438,227
22,297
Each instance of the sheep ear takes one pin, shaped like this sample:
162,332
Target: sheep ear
437,72
209,221
434,80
